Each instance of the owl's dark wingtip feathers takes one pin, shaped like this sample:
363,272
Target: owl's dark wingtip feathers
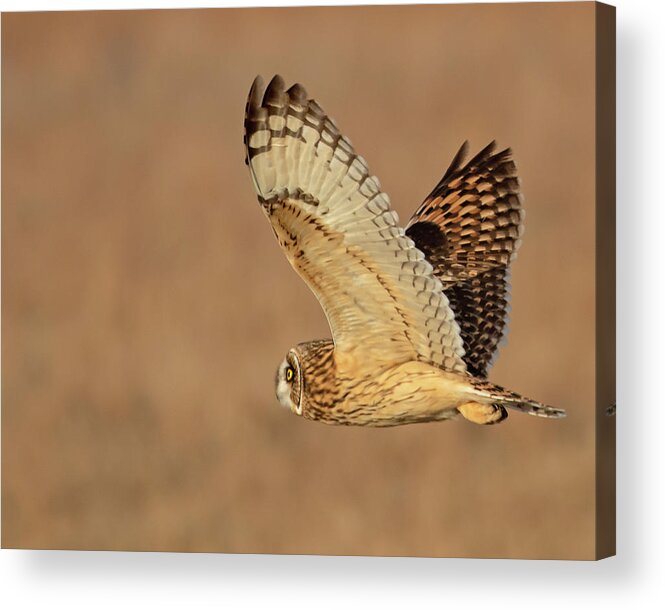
485,155
298,94
458,159
264,101
255,95
275,94
252,111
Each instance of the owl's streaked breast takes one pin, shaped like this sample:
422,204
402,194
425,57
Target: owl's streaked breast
406,393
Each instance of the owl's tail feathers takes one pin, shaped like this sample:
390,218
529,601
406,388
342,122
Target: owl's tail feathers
505,398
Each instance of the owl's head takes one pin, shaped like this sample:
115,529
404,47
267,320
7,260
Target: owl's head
288,383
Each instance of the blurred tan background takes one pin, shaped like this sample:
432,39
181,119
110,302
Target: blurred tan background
146,304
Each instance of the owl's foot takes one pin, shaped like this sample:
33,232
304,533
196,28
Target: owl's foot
479,413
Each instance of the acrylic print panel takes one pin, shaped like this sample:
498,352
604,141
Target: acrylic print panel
147,303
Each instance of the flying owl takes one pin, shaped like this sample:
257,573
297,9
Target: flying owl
416,314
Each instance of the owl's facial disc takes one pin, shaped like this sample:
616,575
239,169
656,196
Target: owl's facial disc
288,385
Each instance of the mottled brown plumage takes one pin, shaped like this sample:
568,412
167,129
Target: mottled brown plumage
469,228
401,352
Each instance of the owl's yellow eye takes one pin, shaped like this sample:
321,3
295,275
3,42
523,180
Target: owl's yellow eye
289,373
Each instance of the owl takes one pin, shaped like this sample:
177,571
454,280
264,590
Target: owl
416,314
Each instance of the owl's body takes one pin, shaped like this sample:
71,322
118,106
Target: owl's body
338,389
417,314
404,393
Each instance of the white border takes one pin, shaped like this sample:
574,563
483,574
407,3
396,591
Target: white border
112,580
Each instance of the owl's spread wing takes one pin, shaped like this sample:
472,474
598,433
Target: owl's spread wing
380,295
469,228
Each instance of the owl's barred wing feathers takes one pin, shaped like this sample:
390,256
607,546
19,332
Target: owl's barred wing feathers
469,228
380,295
